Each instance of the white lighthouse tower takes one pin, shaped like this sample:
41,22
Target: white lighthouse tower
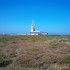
32,27
34,32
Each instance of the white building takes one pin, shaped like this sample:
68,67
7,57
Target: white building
33,32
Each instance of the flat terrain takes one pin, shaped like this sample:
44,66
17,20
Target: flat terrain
34,52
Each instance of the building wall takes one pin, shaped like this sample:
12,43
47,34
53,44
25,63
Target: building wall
38,33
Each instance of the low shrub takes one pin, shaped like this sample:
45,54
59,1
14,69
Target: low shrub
66,59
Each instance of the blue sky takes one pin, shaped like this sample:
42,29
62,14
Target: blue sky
52,16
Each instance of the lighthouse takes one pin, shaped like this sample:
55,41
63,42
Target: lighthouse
34,32
32,27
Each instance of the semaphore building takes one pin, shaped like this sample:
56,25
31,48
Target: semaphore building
34,32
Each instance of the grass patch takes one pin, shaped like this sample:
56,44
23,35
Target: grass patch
33,49
2,57
23,68
66,59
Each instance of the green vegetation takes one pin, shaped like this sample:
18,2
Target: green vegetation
35,52
66,59
2,57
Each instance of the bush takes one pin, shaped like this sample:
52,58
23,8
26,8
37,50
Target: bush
4,61
66,59
2,57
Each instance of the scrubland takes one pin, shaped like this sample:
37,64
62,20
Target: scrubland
50,52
